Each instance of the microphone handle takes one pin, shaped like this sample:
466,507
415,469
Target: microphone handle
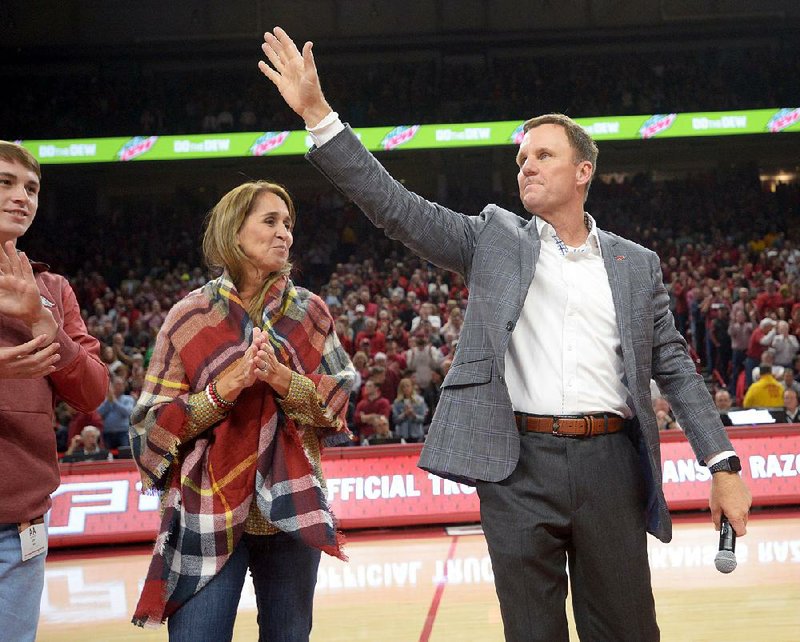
727,536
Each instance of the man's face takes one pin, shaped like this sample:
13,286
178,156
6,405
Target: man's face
549,179
790,400
723,400
19,199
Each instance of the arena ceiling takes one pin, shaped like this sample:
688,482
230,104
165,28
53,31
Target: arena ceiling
197,23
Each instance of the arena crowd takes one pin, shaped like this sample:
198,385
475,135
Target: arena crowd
731,268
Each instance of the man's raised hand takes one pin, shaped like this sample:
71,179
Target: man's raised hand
295,76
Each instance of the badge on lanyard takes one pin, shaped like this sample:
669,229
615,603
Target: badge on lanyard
33,538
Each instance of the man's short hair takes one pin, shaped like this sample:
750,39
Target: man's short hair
14,153
579,139
765,369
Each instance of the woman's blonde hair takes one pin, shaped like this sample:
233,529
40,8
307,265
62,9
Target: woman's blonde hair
221,247
400,385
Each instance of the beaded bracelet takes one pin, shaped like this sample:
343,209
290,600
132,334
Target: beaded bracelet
217,399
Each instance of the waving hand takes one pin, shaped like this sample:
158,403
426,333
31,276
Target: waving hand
295,76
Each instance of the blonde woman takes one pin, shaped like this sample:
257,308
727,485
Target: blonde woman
247,377
408,412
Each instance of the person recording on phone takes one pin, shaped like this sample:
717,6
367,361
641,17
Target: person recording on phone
546,407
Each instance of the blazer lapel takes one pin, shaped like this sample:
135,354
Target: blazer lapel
617,267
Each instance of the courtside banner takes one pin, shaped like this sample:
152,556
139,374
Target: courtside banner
382,486
408,136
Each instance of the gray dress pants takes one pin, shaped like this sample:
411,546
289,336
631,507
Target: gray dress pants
577,504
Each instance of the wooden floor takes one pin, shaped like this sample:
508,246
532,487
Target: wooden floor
437,586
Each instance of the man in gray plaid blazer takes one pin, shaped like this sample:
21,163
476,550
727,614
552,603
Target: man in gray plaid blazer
546,408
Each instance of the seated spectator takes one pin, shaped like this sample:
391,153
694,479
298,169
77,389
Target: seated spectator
723,402
408,412
768,359
369,410
383,434
664,416
86,446
767,392
789,380
791,411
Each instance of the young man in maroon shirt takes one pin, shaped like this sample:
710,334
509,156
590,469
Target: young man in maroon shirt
45,351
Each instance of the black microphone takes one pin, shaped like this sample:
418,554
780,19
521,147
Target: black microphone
725,560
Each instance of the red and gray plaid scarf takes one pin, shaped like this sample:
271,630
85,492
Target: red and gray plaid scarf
255,452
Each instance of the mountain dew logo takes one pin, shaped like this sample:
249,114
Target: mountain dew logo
136,146
268,141
782,119
518,134
654,125
399,136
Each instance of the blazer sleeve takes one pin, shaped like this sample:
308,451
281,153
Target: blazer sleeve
679,381
433,232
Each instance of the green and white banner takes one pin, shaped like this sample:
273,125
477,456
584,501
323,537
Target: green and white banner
378,139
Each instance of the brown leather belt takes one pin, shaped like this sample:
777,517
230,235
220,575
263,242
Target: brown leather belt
570,425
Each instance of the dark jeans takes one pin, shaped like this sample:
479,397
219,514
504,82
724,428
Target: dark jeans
116,439
749,365
576,503
284,574
737,364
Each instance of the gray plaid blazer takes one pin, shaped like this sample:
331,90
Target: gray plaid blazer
473,435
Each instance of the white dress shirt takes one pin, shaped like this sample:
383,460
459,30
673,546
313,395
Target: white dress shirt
565,355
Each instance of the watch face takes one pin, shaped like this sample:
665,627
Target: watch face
731,464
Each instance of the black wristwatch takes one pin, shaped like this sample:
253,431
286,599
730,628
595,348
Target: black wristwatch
728,465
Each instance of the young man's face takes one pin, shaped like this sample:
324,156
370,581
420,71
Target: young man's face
19,199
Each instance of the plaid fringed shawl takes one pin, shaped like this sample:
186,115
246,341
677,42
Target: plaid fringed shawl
256,451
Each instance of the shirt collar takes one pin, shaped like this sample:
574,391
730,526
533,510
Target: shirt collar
592,245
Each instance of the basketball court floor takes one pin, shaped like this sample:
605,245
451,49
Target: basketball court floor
436,585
